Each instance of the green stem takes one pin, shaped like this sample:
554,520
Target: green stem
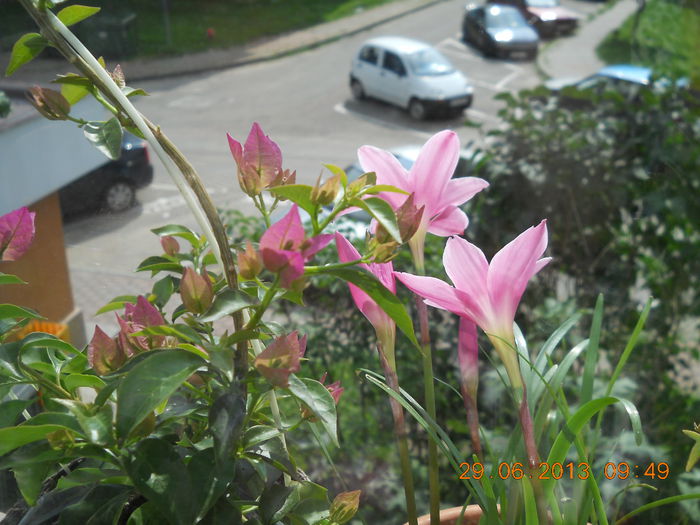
310,270
274,408
392,380
267,299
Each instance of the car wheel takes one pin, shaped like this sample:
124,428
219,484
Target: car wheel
417,109
119,196
358,92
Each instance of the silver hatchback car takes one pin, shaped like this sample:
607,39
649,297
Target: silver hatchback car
410,74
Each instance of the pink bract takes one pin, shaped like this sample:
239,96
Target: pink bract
16,233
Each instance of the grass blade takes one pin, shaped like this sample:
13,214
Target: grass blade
592,352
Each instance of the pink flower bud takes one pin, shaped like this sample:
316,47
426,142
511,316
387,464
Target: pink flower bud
325,193
249,263
196,291
281,359
104,354
170,245
259,162
409,217
50,103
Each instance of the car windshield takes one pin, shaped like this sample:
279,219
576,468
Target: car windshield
500,18
542,3
429,62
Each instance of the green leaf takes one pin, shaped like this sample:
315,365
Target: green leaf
164,289
316,396
54,502
25,50
383,212
335,170
176,230
297,193
157,263
694,455
226,418
105,136
74,94
10,311
30,478
631,343
134,92
14,437
73,381
42,340
591,361
76,13
259,434
10,411
117,303
386,300
149,383
96,426
6,278
379,188
226,303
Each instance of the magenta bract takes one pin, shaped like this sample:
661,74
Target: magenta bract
16,233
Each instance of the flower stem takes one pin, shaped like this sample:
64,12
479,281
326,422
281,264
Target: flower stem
392,380
473,421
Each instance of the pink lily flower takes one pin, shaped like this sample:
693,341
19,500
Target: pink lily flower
16,233
430,179
486,294
284,247
259,161
383,325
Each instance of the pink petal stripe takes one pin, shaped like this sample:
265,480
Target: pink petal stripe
451,221
459,191
468,350
433,169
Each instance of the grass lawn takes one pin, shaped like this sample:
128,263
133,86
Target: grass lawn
667,39
233,21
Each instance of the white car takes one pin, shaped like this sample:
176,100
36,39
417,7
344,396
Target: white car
409,74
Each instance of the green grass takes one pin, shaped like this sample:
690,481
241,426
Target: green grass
667,39
233,21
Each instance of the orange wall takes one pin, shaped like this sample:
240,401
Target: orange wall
44,266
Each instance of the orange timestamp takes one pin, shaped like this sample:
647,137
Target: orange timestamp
519,471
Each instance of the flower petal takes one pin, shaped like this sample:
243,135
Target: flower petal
293,270
468,353
436,292
316,244
451,221
468,270
262,153
236,150
389,171
459,191
512,267
433,169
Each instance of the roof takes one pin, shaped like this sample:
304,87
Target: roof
628,72
398,44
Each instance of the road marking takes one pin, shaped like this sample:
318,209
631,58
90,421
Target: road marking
340,108
481,115
510,76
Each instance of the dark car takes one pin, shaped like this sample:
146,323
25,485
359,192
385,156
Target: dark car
111,186
499,30
546,16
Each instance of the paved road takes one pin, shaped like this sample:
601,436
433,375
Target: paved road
303,102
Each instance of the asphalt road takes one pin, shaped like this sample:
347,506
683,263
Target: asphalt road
303,102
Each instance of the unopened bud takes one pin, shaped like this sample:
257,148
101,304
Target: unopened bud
50,103
344,507
383,252
409,216
366,179
249,263
283,178
104,354
325,194
196,291
170,245
118,76
281,359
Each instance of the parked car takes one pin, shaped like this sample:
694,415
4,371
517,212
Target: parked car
548,17
411,75
499,30
111,186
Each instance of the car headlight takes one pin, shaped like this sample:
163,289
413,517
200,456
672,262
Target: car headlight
548,16
504,36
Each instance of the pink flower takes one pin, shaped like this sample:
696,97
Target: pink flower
284,247
486,294
136,318
259,161
281,358
383,325
16,233
430,179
